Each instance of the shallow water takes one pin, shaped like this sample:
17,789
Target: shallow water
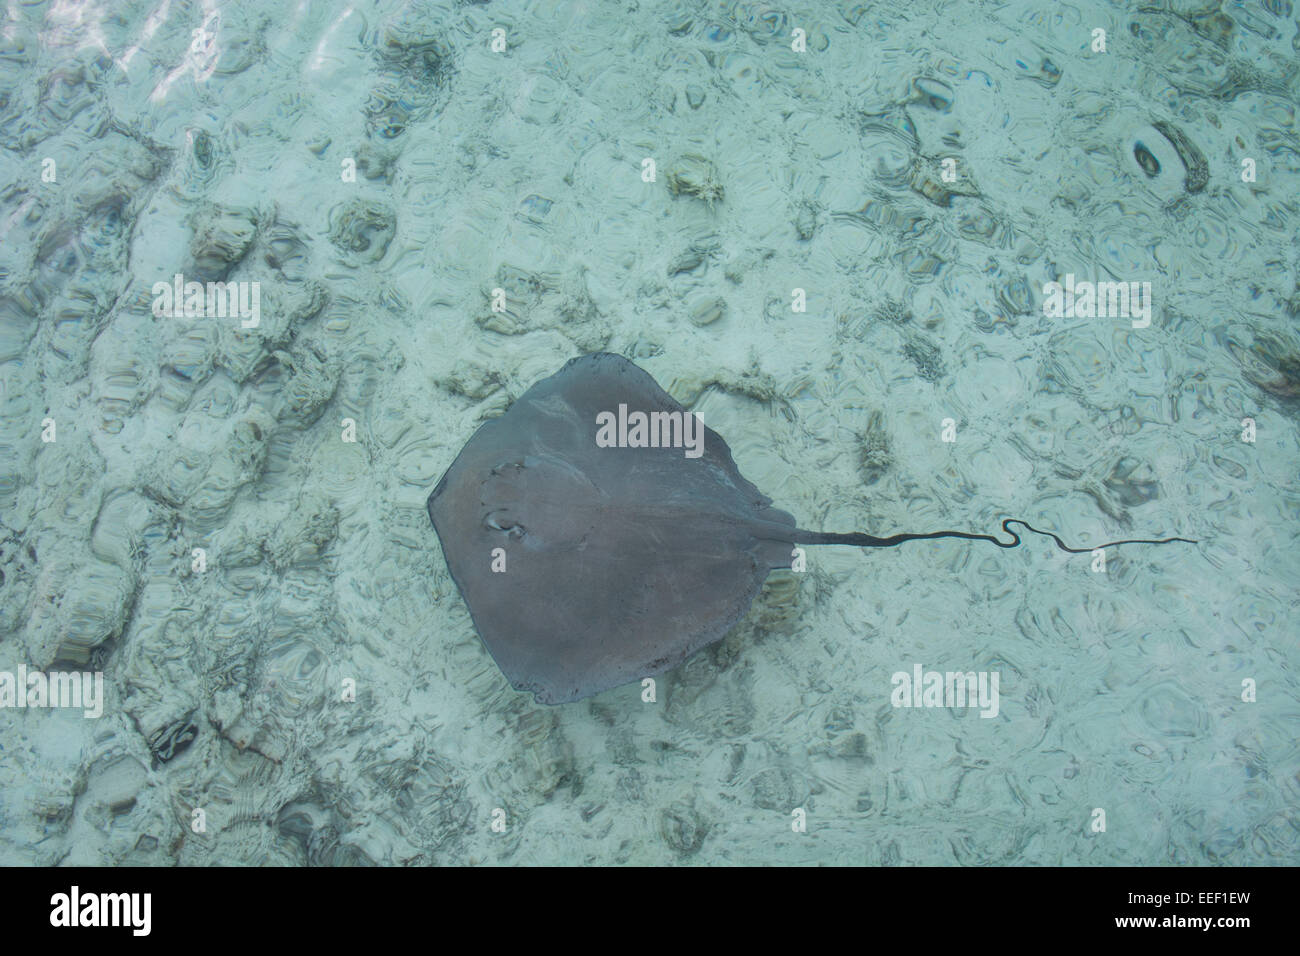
380,170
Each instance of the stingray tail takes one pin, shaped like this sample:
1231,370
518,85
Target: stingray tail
859,540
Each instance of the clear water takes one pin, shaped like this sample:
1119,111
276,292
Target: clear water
216,140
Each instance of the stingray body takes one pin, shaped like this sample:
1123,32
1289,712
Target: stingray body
586,566
619,562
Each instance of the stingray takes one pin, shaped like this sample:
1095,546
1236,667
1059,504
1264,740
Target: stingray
600,533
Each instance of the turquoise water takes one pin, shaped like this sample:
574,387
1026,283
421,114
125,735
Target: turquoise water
224,514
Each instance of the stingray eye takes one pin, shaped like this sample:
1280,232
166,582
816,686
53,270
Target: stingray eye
501,521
